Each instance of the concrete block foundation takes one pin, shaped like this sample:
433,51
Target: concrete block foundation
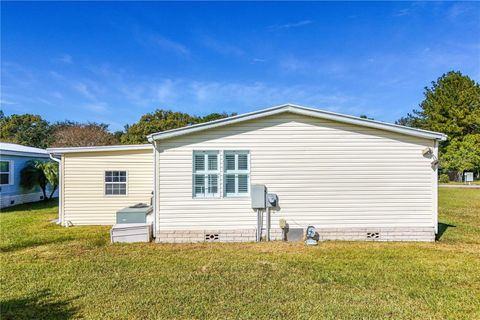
324,234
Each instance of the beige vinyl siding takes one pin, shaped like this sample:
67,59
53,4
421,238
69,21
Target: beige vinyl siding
84,200
326,173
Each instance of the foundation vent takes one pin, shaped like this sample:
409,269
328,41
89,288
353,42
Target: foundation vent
211,237
373,235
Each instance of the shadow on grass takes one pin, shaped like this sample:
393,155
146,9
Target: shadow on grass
34,243
44,204
442,227
38,305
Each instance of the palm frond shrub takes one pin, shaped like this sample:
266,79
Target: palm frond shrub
40,173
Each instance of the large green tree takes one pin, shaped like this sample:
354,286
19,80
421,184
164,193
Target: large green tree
452,106
74,134
25,129
462,154
162,120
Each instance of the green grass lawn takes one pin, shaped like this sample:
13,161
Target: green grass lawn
57,273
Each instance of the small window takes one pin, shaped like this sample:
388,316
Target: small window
205,174
5,171
115,183
236,173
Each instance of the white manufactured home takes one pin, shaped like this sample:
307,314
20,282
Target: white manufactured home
351,178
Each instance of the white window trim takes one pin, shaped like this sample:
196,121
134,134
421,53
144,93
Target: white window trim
105,184
10,173
236,173
206,173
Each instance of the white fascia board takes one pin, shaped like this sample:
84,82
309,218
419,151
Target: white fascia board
311,112
214,124
100,148
23,154
368,123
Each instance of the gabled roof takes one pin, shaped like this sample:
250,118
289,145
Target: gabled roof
311,112
19,150
100,148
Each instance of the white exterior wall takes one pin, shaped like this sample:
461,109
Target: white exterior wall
83,192
327,174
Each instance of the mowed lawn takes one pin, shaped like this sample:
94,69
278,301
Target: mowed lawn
57,273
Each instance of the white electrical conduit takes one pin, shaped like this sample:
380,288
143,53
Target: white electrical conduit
259,225
268,223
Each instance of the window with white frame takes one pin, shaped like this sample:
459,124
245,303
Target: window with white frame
5,172
236,165
205,174
115,183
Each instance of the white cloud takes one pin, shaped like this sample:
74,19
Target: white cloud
153,39
169,45
403,12
289,25
84,90
56,95
64,58
7,102
45,101
209,96
460,9
97,107
220,47
293,64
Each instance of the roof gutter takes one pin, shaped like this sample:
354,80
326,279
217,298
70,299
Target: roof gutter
100,148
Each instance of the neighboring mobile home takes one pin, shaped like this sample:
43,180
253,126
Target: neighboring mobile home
13,158
351,178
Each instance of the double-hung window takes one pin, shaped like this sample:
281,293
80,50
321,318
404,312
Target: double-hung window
205,174
5,172
115,183
236,173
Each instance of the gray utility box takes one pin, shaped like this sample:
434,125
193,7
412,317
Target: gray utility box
258,195
295,234
134,214
131,232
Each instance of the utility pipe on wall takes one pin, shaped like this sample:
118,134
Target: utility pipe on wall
259,225
268,223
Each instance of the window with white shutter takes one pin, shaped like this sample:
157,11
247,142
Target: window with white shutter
236,173
205,178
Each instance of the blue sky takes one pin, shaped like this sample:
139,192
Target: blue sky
112,62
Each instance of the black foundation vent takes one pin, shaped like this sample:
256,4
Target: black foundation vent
373,235
211,237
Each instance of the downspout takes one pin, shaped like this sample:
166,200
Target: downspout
60,186
155,177
435,188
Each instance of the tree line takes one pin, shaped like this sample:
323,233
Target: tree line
451,105
34,131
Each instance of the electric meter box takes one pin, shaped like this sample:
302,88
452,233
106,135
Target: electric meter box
272,200
258,195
